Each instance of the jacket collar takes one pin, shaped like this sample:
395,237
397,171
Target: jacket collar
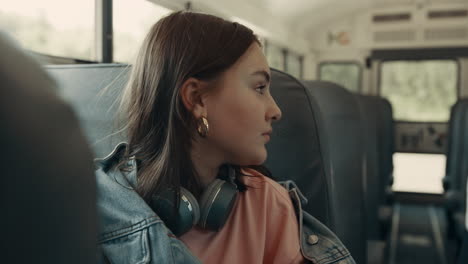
129,167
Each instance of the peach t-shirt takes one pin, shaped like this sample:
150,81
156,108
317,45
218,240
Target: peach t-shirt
262,228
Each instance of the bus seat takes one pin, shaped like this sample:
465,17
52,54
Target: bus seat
370,114
386,145
461,179
454,147
463,256
463,252
378,123
456,167
342,124
93,91
386,139
296,150
48,190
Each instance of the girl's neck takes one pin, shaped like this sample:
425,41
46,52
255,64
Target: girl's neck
206,164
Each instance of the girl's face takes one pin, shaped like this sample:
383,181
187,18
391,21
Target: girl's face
240,110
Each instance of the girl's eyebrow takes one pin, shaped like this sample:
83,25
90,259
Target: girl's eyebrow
262,73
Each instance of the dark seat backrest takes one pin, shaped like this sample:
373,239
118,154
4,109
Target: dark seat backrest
369,107
455,179
463,251
93,91
296,152
343,125
461,178
379,137
463,256
48,186
455,141
386,139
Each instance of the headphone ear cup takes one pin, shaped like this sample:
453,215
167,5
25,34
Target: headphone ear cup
216,204
185,218
191,203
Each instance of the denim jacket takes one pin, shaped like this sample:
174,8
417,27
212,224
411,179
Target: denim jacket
131,232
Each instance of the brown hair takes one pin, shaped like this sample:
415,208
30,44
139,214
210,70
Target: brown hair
160,129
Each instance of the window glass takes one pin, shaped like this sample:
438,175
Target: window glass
130,28
420,90
53,27
294,65
347,75
275,56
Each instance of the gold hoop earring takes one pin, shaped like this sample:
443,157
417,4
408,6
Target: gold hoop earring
203,127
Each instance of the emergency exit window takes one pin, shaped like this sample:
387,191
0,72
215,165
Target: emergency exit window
420,91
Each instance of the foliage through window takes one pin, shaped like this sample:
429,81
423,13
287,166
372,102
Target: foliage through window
345,74
54,27
420,90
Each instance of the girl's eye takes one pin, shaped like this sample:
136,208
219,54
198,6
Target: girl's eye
260,89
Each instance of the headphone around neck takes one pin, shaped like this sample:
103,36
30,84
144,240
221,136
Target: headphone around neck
211,212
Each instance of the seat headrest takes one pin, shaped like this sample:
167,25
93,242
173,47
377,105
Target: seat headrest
335,101
47,170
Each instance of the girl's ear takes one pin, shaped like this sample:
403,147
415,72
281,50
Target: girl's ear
191,94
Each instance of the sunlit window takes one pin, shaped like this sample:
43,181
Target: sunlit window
54,27
420,90
294,65
346,74
275,56
132,21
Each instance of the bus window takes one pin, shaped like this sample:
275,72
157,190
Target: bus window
347,74
130,28
275,56
420,91
294,65
53,27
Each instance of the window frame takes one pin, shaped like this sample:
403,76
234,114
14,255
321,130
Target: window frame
343,62
104,31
